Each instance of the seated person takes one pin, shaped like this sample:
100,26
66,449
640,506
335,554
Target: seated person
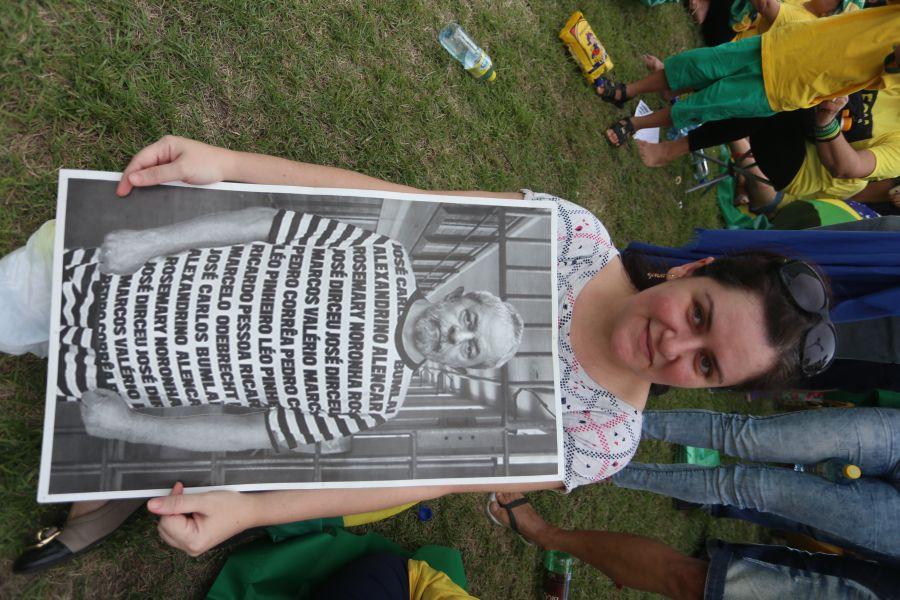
860,516
798,163
732,571
761,76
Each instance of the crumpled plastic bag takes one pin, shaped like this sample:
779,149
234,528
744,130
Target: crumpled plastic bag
25,294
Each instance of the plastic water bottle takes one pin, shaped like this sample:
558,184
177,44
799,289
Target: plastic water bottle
834,470
701,166
461,47
557,575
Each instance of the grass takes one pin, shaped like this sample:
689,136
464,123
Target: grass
358,85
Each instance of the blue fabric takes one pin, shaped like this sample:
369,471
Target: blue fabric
863,266
758,572
375,577
863,513
722,511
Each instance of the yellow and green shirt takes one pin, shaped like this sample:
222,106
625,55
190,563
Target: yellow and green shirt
877,130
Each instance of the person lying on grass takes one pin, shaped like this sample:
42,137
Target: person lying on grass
798,65
742,321
731,322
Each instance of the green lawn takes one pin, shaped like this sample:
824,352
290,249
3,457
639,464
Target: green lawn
360,85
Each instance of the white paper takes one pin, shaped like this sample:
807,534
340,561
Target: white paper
648,135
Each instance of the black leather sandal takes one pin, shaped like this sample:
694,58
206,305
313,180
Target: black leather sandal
612,92
623,130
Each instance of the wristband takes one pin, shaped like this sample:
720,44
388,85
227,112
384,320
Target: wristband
828,132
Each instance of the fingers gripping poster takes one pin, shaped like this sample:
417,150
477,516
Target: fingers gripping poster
268,337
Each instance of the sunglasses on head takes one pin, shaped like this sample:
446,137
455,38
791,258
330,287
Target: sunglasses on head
807,291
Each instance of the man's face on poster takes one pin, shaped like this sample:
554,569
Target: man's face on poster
474,330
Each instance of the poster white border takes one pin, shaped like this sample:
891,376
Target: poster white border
44,495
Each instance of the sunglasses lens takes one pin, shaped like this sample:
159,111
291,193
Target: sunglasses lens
818,349
805,286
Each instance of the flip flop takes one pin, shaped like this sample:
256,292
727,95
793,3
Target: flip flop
509,513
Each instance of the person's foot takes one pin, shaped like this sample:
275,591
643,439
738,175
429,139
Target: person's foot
656,155
88,525
653,64
619,132
530,524
699,9
609,91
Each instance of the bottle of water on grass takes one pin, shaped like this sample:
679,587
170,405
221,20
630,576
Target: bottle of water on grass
461,47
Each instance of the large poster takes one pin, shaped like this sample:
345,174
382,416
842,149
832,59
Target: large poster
267,337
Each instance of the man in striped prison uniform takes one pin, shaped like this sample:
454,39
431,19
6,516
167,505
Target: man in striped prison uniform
314,325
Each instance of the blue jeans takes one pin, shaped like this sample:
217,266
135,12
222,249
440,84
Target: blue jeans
864,513
722,511
755,572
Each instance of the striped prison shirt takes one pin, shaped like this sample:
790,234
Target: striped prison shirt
306,325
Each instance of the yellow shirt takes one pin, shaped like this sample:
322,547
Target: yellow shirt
790,11
806,62
426,583
880,127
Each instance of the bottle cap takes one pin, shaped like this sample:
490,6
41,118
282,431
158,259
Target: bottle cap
558,562
852,472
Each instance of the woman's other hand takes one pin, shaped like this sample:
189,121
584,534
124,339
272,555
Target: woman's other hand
174,158
195,523
894,195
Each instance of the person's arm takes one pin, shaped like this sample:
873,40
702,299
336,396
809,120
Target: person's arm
195,523
877,192
105,414
767,8
838,156
125,250
174,158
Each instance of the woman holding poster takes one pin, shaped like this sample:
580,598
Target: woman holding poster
737,321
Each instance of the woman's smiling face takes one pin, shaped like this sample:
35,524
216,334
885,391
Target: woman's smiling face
693,332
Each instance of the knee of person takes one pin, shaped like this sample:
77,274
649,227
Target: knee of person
737,485
688,579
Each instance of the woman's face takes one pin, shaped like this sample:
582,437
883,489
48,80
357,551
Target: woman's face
693,332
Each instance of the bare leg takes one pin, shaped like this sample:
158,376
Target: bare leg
653,82
654,64
659,118
83,508
629,560
659,155
760,194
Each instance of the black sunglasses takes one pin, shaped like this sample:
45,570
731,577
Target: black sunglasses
807,290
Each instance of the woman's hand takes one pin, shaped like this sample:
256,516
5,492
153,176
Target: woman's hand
175,158
195,523
828,109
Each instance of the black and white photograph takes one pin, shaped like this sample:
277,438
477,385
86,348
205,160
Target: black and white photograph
262,337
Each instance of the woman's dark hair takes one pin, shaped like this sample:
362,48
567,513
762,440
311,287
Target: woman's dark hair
757,272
